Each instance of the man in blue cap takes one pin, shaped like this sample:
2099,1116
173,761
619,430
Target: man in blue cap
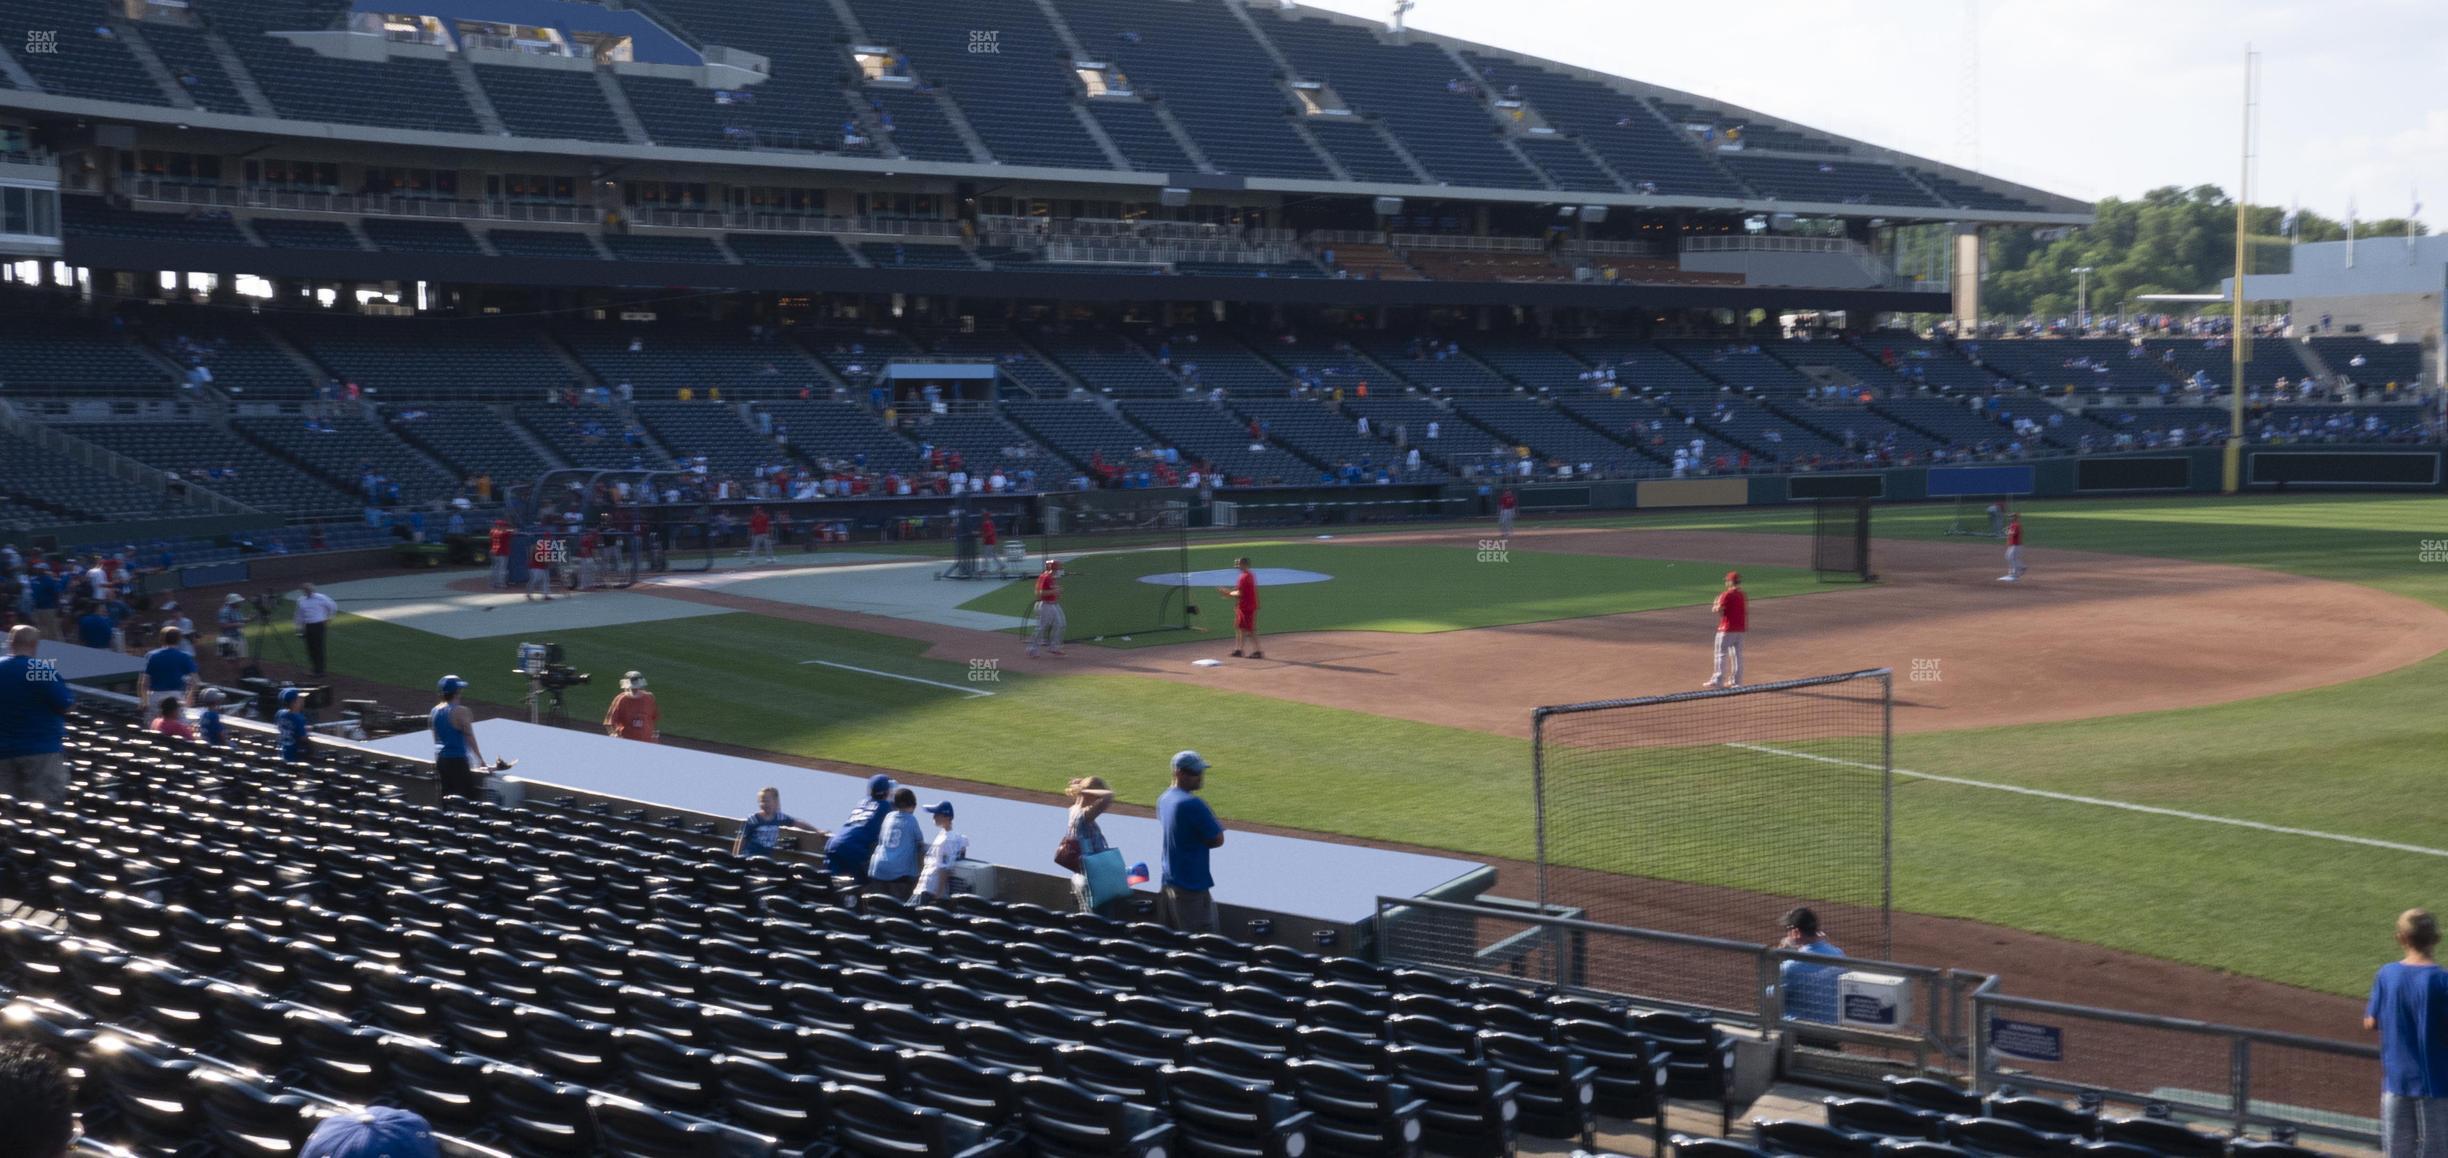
456,752
374,1132
1191,830
847,853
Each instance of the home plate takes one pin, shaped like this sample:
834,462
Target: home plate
1206,663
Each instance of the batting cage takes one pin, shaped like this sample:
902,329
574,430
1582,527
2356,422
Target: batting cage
1714,812
1840,539
1126,563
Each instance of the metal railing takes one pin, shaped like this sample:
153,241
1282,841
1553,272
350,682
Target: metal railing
1467,244
1771,243
2223,1073
1344,237
1709,975
1608,248
1925,1019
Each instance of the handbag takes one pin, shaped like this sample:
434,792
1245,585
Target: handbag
1107,878
1067,853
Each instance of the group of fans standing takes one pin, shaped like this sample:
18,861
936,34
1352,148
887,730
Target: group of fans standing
97,600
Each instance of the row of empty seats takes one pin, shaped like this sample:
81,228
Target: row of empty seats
592,984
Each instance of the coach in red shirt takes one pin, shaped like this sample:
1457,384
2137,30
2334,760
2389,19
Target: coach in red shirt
1244,594
1733,618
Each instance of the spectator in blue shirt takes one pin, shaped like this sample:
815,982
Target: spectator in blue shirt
209,727
847,853
1191,830
94,627
168,670
293,724
899,847
761,833
45,588
1810,990
34,704
2409,1010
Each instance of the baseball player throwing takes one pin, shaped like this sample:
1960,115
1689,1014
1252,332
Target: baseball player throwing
1048,630
1733,618
2014,550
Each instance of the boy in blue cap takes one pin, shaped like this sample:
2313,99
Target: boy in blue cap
294,726
948,847
209,727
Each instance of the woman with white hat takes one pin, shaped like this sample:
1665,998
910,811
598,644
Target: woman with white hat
634,714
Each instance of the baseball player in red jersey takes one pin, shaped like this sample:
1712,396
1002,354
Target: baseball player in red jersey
1244,594
1048,630
2014,550
497,544
1733,618
990,544
760,536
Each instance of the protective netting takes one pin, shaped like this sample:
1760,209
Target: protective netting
1714,812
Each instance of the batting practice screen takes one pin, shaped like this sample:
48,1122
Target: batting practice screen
1840,538
1714,812
1125,567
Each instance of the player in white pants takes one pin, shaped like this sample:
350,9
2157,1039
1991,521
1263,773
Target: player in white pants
2014,551
1733,618
1047,631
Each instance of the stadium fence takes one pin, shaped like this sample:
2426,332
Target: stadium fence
1713,812
1981,516
1341,512
2222,1073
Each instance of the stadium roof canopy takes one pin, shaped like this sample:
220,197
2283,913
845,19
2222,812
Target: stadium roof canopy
1114,98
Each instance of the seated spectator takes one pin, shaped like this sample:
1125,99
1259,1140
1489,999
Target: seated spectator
1809,990
170,719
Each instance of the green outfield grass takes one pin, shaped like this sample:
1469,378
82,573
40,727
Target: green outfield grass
2361,759
1375,588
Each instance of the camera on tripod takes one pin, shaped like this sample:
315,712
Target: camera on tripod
547,675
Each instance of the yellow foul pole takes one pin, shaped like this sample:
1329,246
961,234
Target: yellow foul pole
2239,342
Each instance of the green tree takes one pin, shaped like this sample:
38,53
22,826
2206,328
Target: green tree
2169,240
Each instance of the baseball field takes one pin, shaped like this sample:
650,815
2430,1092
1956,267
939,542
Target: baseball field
2203,741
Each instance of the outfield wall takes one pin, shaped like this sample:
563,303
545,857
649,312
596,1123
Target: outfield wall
2187,470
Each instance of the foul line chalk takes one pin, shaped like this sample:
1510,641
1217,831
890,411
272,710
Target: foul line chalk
898,676
2123,806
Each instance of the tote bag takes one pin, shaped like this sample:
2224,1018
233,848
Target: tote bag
1107,878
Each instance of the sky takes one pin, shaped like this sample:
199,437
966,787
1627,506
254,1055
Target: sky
2088,98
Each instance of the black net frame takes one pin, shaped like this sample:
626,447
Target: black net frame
1840,538
1713,812
1111,552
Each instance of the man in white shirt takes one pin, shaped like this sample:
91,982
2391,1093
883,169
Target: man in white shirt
314,613
948,847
